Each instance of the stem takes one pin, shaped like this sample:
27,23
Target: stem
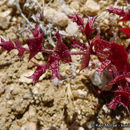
47,51
77,53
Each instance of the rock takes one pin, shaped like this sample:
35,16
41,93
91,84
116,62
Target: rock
29,126
12,3
91,8
56,17
79,93
5,18
75,5
24,79
72,28
66,9
100,80
105,109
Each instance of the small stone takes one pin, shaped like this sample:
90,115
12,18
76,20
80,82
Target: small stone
81,128
66,9
75,5
24,79
105,109
27,95
35,91
55,17
4,19
100,80
72,28
79,93
91,7
29,126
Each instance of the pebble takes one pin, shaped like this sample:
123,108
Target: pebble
5,18
72,28
100,80
55,17
105,109
24,79
79,93
91,8
29,126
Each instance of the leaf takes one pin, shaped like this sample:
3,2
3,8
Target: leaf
118,56
117,11
36,32
20,49
126,16
89,26
102,48
121,97
35,45
126,31
120,12
7,45
62,50
40,70
115,101
85,60
78,20
117,79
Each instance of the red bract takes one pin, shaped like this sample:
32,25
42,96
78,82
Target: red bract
117,79
85,59
121,97
126,31
117,11
7,45
89,26
78,20
62,50
118,57
40,70
102,48
120,12
126,17
36,31
35,45
20,49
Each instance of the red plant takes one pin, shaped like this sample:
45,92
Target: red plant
113,56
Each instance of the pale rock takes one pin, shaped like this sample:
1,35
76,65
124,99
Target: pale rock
79,93
5,18
66,9
35,91
81,128
2,2
56,17
91,7
32,111
72,28
105,109
100,80
12,3
24,79
29,126
75,5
